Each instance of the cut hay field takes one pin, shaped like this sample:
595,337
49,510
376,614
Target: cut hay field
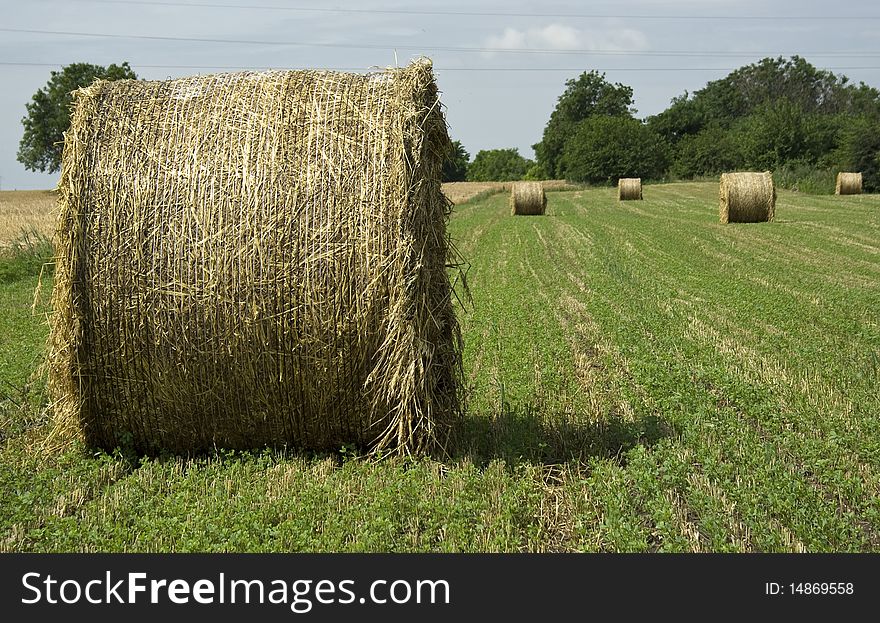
26,211
463,192
640,378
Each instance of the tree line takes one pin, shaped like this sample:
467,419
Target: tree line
781,114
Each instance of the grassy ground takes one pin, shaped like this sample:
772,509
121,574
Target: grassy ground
640,378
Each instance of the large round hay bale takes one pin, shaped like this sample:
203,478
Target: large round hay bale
629,188
256,259
747,197
848,184
528,198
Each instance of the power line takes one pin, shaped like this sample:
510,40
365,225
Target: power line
437,69
422,48
840,17
230,67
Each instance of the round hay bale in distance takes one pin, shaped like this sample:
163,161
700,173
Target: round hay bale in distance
629,188
848,184
528,198
747,197
256,259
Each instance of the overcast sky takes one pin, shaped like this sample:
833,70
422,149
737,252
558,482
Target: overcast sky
499,90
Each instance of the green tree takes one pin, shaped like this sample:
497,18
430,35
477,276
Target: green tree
859,150
587,95
793,79
456,165
497,165
756,88
535,172
783,132
683,118
604,149
712,150
48,113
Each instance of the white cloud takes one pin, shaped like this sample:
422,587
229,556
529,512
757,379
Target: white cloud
563,37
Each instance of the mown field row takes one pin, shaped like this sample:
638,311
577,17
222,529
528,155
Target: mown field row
639,378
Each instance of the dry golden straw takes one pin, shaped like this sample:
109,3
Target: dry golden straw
747,197
528,198
848,184
25,212
629,188
256,259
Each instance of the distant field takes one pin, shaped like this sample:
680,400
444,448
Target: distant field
640,378
35,210
462,192
24,211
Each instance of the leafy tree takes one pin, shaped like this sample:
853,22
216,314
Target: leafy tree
535,172
859,150
604,149
863,101
456,165
683,118
771,79
497,165
712,150
770,114
755,88
49,113
782,132
587,95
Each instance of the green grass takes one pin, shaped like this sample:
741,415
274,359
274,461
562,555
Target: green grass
24,256
640,378
22,332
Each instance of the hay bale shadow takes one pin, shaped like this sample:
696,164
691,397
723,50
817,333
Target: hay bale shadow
525,436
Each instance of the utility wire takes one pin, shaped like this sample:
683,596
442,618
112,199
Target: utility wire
437,69
838,17
422,48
